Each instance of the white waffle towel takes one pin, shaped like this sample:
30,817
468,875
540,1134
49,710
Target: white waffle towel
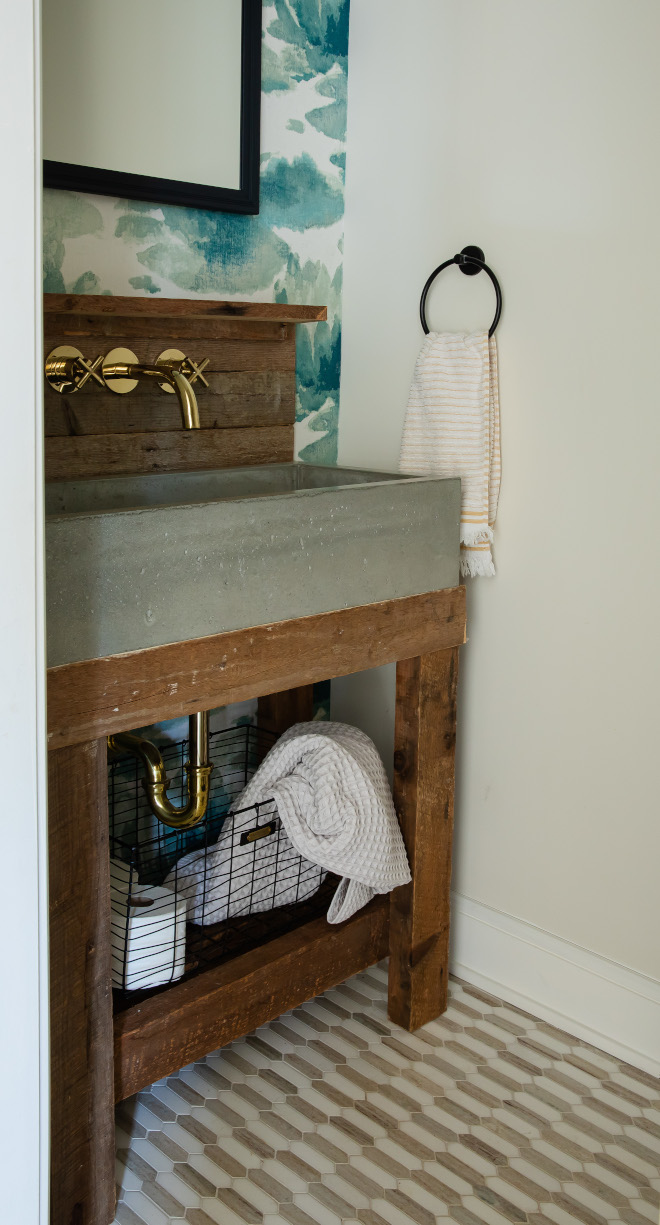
452,428
238,877
334,801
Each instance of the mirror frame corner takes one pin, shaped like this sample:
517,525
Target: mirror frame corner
245,199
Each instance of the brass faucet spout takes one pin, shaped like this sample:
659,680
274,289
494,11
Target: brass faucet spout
165,372
197,768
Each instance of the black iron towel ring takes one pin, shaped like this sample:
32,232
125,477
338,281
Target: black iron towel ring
470,261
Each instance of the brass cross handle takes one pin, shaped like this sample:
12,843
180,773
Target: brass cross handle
190,369
67,370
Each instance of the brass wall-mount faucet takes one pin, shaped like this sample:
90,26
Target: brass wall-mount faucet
121,371
67,371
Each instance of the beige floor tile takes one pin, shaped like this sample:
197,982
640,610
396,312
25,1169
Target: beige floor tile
534,1104
645,1088
536,1174
518,1120
125,1178
448,1177
334,1116
557,1214
512,1194
464,1096
632,1161
217,1213
182,1138
422,1194
187,1192
555,1149
472,1159
145,1209
484,1212
647,1138
579,1140
645,1209
500,1138
316,1211
375,1172
155,1156
492,1087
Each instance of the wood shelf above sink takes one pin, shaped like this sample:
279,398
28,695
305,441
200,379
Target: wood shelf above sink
171,308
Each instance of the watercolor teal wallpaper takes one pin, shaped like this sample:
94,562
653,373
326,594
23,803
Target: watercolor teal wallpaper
290,252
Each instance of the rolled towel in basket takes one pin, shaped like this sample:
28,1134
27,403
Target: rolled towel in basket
334,801
242,874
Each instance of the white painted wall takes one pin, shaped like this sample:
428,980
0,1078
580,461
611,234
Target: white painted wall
23,911
530,129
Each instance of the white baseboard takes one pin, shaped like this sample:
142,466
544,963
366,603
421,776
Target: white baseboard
599,1001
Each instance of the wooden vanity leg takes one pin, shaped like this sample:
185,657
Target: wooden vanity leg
277,711
82,1091
424,743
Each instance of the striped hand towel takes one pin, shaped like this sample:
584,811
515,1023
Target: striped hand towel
452,428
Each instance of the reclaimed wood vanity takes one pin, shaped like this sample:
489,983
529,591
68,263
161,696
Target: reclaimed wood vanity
247,417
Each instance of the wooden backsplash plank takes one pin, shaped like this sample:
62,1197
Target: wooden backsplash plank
72,458
58,326
106,304
222,354
234,400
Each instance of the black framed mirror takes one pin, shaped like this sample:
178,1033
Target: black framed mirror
154,100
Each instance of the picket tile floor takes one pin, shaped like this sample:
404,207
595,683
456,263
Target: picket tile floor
332,1114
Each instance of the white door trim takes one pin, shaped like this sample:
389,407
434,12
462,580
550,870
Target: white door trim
24,1146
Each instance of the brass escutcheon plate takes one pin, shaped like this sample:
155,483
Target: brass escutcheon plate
170,355
119,357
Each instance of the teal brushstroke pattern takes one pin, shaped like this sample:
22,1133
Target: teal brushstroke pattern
290,252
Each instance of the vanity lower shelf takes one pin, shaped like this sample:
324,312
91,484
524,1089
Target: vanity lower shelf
184,1022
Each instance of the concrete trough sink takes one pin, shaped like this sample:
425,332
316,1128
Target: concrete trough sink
139,561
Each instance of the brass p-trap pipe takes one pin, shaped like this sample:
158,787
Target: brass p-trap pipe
197,768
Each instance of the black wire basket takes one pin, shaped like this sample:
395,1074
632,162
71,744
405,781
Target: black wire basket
185,900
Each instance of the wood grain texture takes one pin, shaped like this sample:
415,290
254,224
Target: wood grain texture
279,711
171,308
167,1031
234,400
113,328
82,1124
101,696
223,356
169,451
424,747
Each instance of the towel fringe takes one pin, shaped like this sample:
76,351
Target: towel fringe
477,565
475,533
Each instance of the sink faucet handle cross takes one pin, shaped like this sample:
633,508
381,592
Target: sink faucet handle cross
174,359
67,370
